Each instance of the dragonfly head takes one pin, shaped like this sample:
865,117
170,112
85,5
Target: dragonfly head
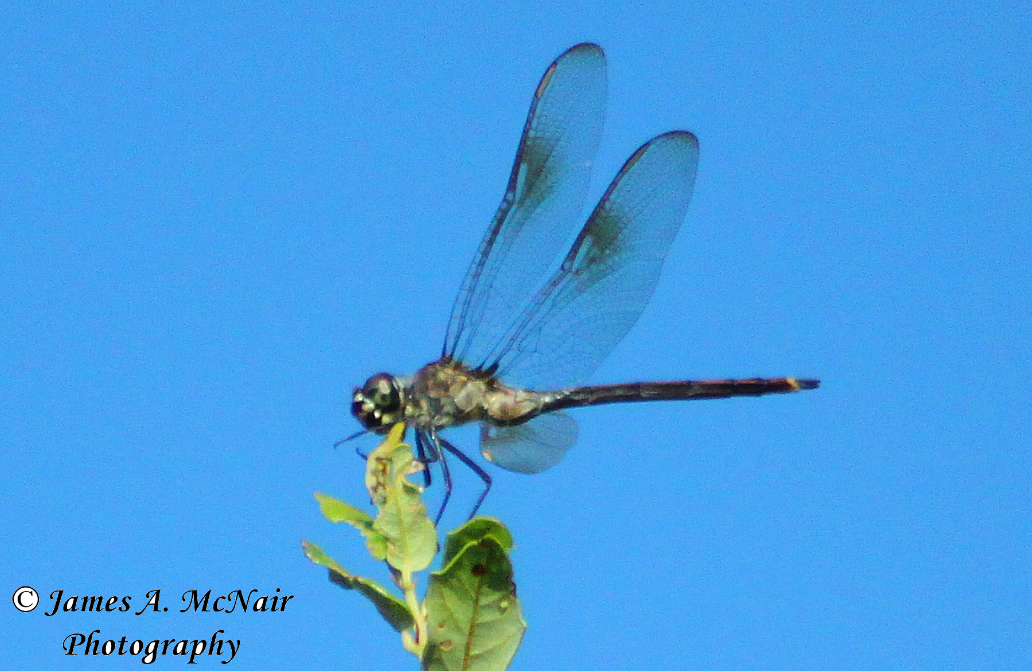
378,404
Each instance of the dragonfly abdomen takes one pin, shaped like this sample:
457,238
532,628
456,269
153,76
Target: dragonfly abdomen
676,391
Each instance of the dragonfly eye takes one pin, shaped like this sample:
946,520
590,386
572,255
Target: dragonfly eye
377,404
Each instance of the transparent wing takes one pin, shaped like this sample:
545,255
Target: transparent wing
539,211
609,274
532,447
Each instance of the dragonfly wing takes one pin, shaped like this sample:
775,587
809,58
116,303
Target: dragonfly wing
609,274
531,447
540,208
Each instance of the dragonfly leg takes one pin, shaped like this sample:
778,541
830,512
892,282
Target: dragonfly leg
473,466
425,455
434,445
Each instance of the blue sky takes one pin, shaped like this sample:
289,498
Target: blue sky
217,220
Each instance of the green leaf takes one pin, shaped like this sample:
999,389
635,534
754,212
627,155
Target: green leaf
337,511
390,459
390,607
473,531
475,620
410,536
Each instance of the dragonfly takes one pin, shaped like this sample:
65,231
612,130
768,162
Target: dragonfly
531,322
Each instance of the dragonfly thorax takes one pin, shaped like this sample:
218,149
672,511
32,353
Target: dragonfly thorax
446,393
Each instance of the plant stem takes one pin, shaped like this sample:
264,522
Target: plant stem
418,645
